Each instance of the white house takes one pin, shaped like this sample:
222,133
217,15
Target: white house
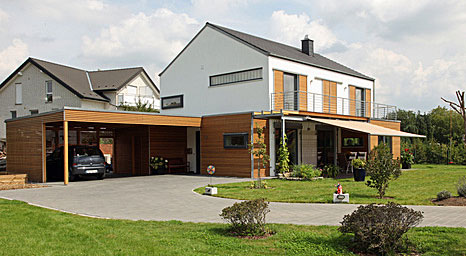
39,86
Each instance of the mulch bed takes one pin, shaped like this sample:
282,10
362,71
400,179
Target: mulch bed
452,201
21,186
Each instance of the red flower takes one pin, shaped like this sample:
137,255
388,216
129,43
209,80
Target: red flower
450,162
406,149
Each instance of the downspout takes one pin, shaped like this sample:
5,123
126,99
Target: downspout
252,145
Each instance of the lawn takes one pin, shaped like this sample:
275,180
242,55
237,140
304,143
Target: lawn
30,230
414,187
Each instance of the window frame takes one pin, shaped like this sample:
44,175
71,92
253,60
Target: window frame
47,93
239,75
15,114
33,110
245,137
20,86
180,104
387,140
361,144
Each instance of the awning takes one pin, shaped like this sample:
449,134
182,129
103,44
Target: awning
364,127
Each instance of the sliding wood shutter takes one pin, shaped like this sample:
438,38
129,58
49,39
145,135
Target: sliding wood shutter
329,90
278,90
352,101
368,102
302,88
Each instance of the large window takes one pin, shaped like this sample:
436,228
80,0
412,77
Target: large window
172,102
19,93
235,140
353,142
236,77
48,91
290,88
387,140
360,98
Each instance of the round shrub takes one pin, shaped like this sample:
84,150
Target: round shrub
443,195
379,228
461,186
248,217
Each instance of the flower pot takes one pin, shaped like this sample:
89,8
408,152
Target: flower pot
405,165
359,174
210,191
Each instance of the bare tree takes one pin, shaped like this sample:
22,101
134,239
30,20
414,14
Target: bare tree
459,108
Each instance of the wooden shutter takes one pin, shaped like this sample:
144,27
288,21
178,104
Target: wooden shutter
329,90
302,88
278,90
352,100
368,102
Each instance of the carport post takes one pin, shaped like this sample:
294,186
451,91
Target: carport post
65,152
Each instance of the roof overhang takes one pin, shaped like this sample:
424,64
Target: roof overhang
365,127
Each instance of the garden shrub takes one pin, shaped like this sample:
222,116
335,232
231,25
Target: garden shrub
379,228
283,161
461,186
306,171
381,168
331,170
442,195
247,218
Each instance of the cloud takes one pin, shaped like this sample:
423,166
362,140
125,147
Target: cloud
12,56
154,38
95,5
291,29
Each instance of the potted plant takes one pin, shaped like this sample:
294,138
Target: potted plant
359,172
158,164
407,159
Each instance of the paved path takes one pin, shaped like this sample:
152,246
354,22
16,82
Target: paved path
170,197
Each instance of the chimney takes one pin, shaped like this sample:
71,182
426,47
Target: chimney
307,46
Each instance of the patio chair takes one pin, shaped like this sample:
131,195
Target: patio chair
349,165
362,155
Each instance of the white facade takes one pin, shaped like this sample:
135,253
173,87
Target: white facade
139,88
213,53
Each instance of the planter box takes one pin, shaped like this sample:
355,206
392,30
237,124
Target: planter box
13,179
341,198
210,191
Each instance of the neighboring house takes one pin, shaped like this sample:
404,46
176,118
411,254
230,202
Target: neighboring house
39,86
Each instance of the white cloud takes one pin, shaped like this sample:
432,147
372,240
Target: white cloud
12,56
291,29
3,16
155,38
218,7
95,5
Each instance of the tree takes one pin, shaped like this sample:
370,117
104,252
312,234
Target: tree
381,168
139,107
259,150
283,161
459,108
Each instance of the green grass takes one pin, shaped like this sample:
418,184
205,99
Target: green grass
414,187
30,230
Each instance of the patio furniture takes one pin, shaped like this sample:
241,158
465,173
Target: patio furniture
352,155
362,155
177,163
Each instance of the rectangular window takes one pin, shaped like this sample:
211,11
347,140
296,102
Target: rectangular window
172,102
290,89
34,111
235,140
360,97
236,77
48,91
13,114
387,140
121,99
19,93
352,142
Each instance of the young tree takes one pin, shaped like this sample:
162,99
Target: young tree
459,108
283,161
381,168
259,150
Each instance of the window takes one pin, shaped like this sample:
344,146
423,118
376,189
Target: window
13,114
172,102
48,91
360,97
236,77
352,142
290,88
121,99
235,140
387,140
34,111
19,93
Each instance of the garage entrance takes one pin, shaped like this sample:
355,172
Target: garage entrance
127,140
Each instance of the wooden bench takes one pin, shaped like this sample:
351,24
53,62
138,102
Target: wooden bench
176,163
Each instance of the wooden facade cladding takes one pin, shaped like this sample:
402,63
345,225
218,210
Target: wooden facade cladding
396,141
76,115
368,102
302,88
278,89
25,145
227,161
168,142
265,172
329,90
352,98
132,150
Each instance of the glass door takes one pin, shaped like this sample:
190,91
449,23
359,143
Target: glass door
290,88
360,102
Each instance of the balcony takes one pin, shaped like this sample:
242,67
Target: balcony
319,103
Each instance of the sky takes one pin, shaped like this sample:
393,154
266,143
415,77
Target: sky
416,50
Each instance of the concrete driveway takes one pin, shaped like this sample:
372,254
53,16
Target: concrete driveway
170,197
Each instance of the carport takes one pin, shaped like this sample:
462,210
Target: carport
136,137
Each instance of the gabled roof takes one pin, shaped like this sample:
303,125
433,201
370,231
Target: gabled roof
78,80
275,49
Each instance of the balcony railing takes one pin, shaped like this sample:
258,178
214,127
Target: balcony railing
313,102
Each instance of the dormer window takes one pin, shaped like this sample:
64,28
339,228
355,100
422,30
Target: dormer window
48,91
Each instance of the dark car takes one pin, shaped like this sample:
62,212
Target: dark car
82,161
2,164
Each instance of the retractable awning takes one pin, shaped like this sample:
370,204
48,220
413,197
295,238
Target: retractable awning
364,127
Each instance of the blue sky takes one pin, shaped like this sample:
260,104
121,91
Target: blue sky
414,49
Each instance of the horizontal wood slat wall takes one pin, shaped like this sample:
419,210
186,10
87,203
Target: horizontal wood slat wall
125,158
25,147
278,89
75,115
169,142
227,162
261,124
302,92
396,141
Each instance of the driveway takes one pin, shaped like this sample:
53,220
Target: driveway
170,197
